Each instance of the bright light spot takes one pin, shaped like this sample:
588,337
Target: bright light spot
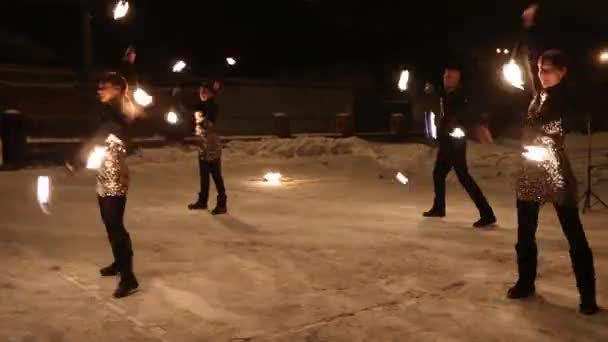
604,56
179,66
172,118
231,61
44,193
506,51
536,153
96,158
403,80
432,127
512,74
401,178
141,97
498,51
457,133
273,178
121,9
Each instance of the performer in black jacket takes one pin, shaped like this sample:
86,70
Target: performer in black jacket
113,176
548,177
455,117
210,150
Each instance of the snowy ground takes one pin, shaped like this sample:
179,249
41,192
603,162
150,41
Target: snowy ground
340,252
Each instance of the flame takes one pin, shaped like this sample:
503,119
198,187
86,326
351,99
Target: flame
142,97
231,61
536,153
172,118
121,9
403,80
96,158
401,178
604,57
44,193
273,178
433,125
457,133
179,66
512,74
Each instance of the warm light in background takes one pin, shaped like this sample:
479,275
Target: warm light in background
604,56
121,9
179,66
403,80
231,61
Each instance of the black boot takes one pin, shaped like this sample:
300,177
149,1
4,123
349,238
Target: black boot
221,207
109,271
434,212
485,221
526,266
521,291
200,204
585,281
128,285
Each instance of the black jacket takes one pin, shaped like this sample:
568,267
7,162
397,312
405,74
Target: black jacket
455,112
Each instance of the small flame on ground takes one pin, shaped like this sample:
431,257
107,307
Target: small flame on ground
273,178
121,9
172,118
179,66
536,153
457,133
403,80
401,178
512,74
44,193
96,158
142,97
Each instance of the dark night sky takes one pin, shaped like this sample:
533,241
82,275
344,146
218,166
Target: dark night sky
287,33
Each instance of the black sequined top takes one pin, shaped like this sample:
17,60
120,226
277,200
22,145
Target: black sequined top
550,180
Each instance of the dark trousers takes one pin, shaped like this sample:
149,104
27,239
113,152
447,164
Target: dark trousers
580,253
453,154
213,169
112,209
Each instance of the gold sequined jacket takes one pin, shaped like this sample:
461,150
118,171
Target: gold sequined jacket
550,180
210,146
113,175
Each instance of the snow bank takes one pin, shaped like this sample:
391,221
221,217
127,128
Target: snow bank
498,161
301,148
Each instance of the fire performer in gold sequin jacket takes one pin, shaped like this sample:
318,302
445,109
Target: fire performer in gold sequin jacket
210,150
109,142
546,176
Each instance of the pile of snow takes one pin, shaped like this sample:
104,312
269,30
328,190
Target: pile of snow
499,161
303,147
